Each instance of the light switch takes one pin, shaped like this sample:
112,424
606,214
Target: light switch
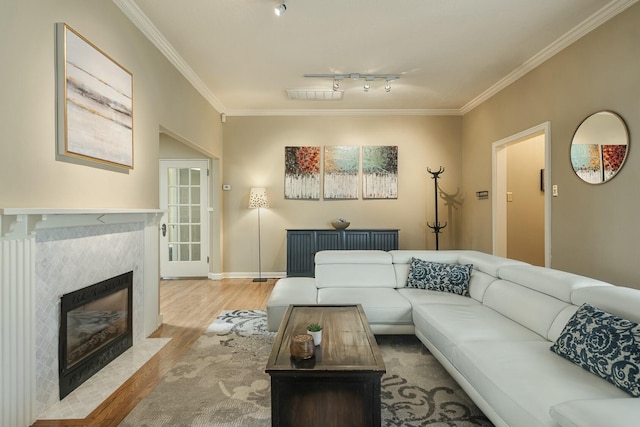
509,196
226,187
554,191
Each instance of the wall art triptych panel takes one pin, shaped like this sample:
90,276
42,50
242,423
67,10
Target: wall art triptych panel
380,172
302,173
341,172
341,167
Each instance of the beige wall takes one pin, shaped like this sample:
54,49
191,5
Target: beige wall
594,228
30,174
254,156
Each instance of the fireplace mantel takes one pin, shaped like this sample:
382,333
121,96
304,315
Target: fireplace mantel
21,222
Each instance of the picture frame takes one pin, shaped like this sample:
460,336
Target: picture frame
94,103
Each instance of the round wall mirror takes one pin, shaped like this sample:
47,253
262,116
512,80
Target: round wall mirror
599,147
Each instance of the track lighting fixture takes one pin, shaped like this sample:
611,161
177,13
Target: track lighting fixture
281,8
368,79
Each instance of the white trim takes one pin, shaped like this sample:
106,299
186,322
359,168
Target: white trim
348,112
497,148
254,275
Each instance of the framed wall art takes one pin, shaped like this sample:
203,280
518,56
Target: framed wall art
341,169
94,102
380,172
302,173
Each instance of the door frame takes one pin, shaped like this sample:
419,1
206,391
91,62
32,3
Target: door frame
499,187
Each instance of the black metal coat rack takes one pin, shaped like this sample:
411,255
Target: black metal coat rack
436,226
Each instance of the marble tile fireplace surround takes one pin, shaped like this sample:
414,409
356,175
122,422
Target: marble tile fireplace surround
45,253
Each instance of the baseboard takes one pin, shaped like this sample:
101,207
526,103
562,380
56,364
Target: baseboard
253,275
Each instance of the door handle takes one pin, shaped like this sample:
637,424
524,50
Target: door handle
164,230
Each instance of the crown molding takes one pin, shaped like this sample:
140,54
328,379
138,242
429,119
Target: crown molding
140,20
594,21
346,112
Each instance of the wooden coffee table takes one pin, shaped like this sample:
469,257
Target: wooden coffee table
340,385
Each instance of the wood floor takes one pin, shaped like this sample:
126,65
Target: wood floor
188,307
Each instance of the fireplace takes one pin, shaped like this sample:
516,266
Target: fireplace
95,328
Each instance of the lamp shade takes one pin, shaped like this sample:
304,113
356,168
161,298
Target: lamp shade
258,198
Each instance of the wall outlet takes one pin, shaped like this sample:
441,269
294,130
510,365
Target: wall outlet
554,191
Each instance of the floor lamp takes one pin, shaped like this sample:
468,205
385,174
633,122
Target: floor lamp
258,199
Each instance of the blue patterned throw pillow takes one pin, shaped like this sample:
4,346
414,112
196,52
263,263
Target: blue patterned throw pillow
437,276
603,344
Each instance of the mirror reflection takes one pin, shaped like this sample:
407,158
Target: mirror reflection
599,147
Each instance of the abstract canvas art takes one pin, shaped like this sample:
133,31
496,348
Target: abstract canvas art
380,172
302,173
585,159
95,102
341,168
612,159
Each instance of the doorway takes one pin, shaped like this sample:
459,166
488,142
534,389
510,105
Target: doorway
522,201
184,237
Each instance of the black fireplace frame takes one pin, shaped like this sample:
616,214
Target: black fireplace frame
72,377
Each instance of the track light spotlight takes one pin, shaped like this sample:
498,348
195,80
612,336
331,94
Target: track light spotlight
367,86
336,84
281,8
387,87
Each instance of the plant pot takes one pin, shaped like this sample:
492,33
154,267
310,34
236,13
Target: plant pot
317,337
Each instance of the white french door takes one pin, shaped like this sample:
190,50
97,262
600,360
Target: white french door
184,229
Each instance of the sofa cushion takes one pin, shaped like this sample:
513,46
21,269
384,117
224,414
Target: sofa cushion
597,413
556,283
381,305
447,326
437,276
618,300
354,269
521,380
534,310
605,345
423,296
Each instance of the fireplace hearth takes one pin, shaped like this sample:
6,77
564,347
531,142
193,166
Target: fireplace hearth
95,328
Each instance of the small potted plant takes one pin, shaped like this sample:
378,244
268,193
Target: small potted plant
315,330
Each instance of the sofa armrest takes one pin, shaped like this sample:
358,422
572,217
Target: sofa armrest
287,291
624,412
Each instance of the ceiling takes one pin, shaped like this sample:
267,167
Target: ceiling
450,54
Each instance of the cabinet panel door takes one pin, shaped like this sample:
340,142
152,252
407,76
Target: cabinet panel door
329,240
300,253
384,240
357,240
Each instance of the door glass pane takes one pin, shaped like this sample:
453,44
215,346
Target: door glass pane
195,214
184,176
195,176
184,195
184,214
195,252
184,253
195,233
195,195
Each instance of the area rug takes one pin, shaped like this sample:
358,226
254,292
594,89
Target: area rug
221,382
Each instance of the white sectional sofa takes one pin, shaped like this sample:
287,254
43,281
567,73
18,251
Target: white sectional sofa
495,342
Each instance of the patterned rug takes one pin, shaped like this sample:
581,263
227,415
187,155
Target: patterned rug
221,382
